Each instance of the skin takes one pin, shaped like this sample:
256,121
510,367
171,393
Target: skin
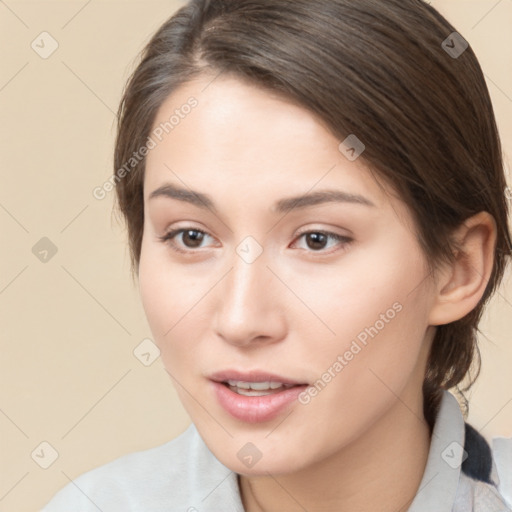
362,442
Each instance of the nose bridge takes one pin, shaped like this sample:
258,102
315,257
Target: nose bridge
248,277
245,310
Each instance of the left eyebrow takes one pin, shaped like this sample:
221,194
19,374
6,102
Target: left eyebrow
319,197
284,205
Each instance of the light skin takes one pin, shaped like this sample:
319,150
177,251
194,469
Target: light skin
361,443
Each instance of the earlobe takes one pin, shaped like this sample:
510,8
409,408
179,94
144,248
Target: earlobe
462,284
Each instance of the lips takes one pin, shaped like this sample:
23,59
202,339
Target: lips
255,396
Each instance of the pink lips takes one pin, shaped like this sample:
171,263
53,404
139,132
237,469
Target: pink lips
254,409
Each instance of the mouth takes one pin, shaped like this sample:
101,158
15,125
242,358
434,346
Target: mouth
254,382
255,396
257,388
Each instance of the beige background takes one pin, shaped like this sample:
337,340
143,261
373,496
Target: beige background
69,326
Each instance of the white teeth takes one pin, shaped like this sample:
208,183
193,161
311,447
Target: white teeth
260,386
239,384
252,392
257,386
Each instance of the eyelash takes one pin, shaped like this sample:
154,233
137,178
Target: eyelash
167,239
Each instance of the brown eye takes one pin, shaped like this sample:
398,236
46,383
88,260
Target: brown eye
316,241
191,238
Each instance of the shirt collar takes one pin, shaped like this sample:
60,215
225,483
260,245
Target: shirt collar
438,486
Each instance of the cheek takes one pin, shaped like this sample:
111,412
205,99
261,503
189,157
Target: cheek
163,290
174,301
369,293
380,319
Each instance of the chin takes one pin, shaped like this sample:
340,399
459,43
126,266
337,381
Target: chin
261,468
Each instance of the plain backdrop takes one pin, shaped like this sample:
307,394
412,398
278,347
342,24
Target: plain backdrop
73,394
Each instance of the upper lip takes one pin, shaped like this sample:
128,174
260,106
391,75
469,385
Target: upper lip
252,376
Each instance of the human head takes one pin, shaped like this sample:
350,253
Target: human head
374,69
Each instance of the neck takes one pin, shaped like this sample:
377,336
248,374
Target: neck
381,470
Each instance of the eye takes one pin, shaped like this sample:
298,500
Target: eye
192,235
317,240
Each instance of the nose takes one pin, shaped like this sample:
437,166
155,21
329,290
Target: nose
250,304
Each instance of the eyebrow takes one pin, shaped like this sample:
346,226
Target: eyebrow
284,205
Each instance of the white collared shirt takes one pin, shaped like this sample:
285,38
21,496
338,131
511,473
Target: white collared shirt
462,474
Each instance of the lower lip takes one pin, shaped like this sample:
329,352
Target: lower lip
255,409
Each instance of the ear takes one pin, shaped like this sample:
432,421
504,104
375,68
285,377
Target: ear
460,286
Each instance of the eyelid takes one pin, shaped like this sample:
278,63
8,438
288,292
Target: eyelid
326,231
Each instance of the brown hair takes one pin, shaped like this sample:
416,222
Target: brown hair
374,69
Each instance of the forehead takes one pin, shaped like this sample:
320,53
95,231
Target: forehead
243,139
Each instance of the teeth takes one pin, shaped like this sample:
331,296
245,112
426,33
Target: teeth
253,392
257,386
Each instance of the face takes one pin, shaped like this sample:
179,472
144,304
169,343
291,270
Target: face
328,293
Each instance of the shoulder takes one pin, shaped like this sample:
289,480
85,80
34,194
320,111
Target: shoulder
502,466
462,473
486,475
477,496
156,479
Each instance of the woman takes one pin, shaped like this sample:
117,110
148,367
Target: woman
316,210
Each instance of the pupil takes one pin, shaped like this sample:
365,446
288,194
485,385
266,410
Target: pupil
315,237
196,238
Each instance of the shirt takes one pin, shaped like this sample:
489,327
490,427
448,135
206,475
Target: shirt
183,475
